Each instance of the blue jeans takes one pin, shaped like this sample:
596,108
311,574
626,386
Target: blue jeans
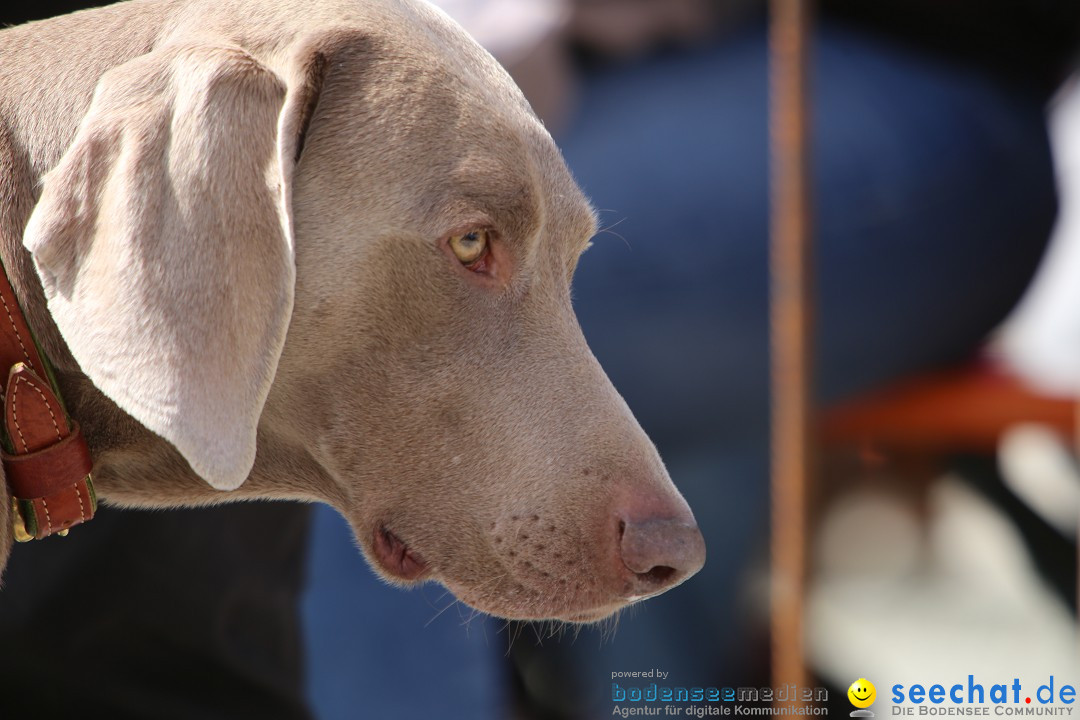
933,198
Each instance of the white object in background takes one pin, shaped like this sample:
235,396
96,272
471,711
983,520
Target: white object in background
1041,340
508,29
1038,466
972,603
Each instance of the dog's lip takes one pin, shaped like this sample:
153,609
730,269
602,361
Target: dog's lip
592,615
396,557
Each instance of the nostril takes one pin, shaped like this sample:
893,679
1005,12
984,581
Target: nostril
659,552
659,576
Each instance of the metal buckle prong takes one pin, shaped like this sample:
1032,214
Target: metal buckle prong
18,524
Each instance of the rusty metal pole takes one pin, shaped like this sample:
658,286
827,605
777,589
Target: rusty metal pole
790,306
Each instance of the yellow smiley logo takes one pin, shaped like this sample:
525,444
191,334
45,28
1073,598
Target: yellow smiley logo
862,693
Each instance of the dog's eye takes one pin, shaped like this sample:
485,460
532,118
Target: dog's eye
471,247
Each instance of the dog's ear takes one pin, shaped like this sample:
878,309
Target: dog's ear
163,241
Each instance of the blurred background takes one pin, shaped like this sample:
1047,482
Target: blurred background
946,155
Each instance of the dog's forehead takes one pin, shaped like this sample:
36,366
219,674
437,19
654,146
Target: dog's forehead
409,89
440,116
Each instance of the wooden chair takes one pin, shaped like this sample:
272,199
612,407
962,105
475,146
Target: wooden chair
966,409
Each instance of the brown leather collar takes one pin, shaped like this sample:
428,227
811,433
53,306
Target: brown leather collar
46,461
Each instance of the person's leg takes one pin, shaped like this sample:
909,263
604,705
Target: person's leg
379,651
933,198
151,614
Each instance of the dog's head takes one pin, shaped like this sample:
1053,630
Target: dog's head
346,254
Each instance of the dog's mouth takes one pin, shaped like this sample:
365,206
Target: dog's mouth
395,557
586,617
563,608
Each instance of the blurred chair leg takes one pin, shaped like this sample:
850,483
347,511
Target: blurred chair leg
792,454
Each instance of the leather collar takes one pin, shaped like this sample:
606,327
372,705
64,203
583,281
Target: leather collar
46,460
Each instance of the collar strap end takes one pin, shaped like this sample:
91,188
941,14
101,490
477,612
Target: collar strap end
49,471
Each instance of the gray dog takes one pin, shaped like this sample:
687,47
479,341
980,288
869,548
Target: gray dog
322,251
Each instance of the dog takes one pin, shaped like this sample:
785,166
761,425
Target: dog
322,252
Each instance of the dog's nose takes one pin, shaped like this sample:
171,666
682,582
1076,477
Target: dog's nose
660,552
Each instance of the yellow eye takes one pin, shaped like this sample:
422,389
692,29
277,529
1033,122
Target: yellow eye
470,247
